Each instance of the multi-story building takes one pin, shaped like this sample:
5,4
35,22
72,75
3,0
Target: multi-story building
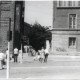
13,10
66,28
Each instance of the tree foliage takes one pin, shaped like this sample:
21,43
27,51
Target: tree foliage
38,35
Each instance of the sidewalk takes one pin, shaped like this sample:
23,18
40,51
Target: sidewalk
53,69
28,61
64,58
52,57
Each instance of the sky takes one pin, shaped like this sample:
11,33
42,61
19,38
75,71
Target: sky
38,11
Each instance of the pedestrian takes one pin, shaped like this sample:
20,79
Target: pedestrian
41,55
4,59
46,55
20,56
1,59
15,54
6,52
37,55
33,52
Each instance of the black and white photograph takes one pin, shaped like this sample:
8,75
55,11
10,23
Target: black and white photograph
40,39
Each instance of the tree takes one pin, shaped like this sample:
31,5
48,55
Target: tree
27,31
38,36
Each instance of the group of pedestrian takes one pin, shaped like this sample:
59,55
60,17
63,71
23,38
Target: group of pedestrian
3,57
42,55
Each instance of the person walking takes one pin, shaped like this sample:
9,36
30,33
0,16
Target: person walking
20,56
46,55
1,59
15,54
39,54
5,58
42,55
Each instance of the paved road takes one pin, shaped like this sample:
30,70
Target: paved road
49,72
53,69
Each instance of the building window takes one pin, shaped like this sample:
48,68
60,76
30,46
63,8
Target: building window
72,42
60,3
68,3
78,3
72,21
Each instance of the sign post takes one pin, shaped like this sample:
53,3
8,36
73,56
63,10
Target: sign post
8,53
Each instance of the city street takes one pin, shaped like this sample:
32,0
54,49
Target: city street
53,69
32,30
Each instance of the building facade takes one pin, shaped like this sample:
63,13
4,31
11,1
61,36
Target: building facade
15,11
66,28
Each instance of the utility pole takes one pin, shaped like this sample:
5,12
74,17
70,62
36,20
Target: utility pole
8,53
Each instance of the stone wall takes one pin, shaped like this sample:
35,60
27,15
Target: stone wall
60,42
6,12
61,16
61,31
